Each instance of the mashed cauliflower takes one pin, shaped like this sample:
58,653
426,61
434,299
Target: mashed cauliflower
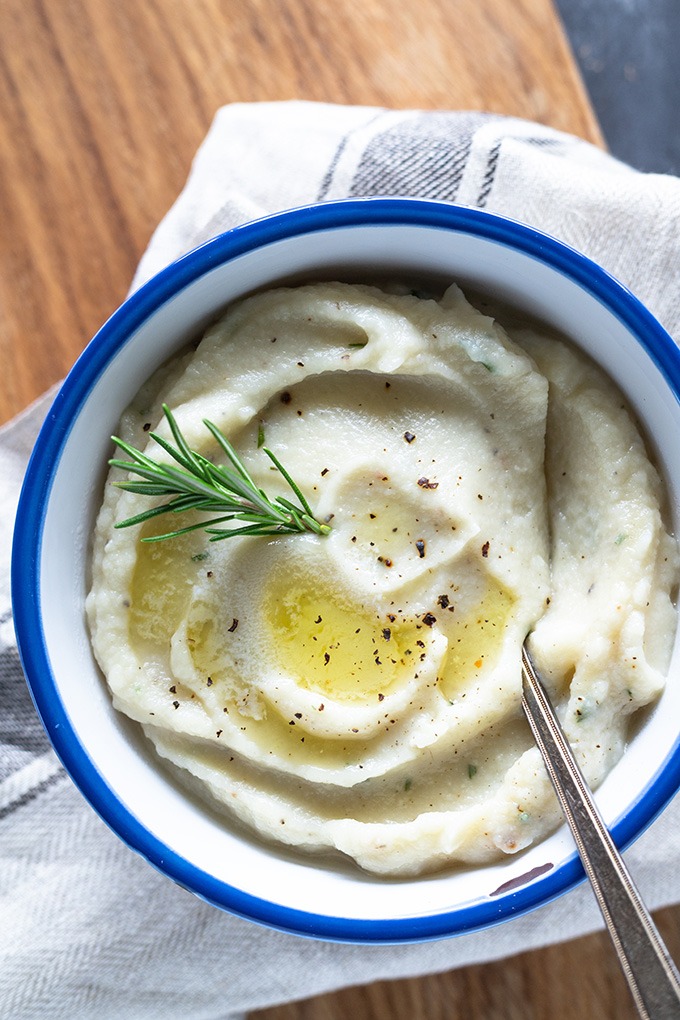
361,691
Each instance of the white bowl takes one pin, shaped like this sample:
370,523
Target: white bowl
107,755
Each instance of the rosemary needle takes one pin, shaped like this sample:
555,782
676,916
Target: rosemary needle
227,492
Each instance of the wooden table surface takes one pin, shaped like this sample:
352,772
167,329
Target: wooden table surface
102,105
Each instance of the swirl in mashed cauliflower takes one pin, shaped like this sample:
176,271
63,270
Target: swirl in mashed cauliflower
361,691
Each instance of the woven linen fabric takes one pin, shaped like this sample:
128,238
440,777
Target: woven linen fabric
87,928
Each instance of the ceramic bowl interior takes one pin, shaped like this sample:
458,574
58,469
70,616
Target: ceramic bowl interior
106,754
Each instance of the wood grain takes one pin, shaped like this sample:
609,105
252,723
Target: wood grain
102,106
578,980
104,102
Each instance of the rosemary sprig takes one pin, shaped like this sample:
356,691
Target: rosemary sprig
198,484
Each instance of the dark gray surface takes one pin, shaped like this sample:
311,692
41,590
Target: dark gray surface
628,54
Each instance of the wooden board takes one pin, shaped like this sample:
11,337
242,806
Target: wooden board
104,102
102,106
579,980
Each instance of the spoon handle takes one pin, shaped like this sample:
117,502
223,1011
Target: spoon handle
651,975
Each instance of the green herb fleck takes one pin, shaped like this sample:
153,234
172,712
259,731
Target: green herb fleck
260,435
472,771
199,557
620,538
407,785
584,710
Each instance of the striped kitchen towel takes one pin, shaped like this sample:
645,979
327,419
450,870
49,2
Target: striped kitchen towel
87,928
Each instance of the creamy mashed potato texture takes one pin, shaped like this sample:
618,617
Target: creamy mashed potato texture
360,692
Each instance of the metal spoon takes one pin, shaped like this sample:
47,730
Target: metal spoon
651,974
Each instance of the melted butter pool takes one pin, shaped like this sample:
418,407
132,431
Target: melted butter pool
161,585
475,639
342,652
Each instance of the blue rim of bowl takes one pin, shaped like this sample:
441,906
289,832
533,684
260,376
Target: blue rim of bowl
26,555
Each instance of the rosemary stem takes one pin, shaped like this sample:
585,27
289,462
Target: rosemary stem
195,483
